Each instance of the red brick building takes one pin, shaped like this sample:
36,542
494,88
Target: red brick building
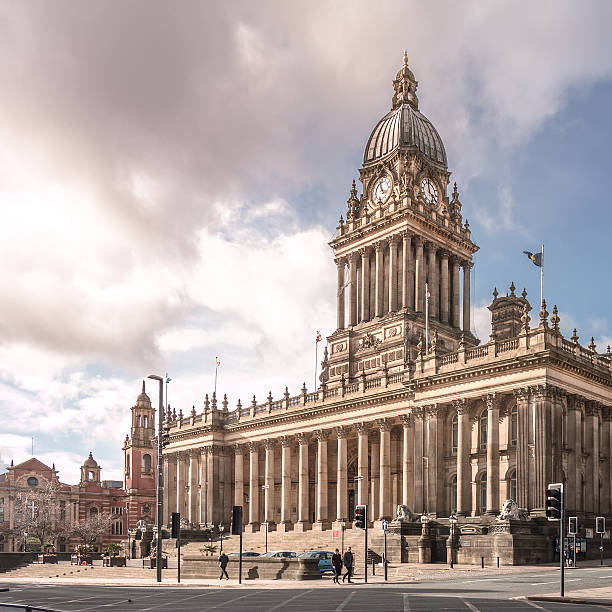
128,502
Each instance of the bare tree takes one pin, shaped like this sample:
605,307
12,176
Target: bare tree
88,530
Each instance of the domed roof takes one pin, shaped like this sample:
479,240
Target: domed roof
404,125
90,462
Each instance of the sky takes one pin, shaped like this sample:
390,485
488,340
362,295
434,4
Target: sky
171,174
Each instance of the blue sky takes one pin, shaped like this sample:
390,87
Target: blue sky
169,182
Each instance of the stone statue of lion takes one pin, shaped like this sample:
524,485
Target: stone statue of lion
403,514
510,510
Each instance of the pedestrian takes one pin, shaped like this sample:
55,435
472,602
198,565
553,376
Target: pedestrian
336,562
223,561
348,560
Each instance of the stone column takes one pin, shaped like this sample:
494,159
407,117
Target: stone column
522,397
362,464
204,485
492,402
466,296
591,443
285,518
605,454
353,289
374,505
365,284
322,510
419,456
384,511
542,402
434,285
407,286
434,460
342,475
419,275
444,286
456,317
303,484
407,459
212,500
340,298
574,453
193,487
238,476
180,482
378,285
167,470
253,488
392,274
269,485
464,489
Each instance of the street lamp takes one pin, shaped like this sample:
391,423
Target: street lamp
127,522
452,519
160,480
221,530
342,527
264,487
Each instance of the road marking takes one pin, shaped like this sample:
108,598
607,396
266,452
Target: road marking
173,603
555,581
530,603
284,603
472,607
406,603
347,599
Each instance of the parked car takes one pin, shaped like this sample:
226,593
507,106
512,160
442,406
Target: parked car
324,557
245,553
278,554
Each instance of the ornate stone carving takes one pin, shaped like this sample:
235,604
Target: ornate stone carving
302,439
286,441
404,515
383,424
406,420
321,434
510,510
341,431
237,449
522,395
253,447
362,428
462,406
369,341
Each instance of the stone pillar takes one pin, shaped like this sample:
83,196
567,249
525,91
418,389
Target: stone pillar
340,297
238,476
392,274
167,470
456,314
193,487
342,475
605,500
269,485
303,484
444,286
542,401
285,517
384,511
407,459
180,483
374,505
322,481
492,402
464,489
204,485
522,448
574,455
434,285
365,284
419,275
591,444
407,285
253,524
212,500
466,296
353,289
362,464
378,285
419,459
434,460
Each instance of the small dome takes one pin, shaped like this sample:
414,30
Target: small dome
90,462
405,126
143,398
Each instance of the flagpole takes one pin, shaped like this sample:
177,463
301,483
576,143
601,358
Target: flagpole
167,379
426,319
216,369
542,279
316,361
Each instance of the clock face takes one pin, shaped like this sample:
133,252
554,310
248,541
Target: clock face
382,189
429,191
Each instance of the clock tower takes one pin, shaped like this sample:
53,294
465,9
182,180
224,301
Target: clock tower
404,252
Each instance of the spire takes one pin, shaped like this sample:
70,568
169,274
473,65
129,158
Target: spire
143,386
405,58
405,86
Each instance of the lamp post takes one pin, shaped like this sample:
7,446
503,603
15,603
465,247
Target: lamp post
127,522
221,530
342,527
160,480
452,519
263,488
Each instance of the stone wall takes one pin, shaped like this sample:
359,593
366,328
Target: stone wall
253,568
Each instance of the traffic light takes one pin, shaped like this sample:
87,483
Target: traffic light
573,526
553,501
361,516
600,524
236,520
176,524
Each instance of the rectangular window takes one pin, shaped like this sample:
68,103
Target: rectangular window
1,509
62,511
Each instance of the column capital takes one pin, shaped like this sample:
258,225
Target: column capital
444,254
341,431
467,265
575,402
340,261
592,408
418,412
492,401
378,246
353,255
542,392
253,447
418,241
522,394
362,428
286,441
237,448
363,251
384,424
302,439
606,413
407,420
462,406
321,434
454,259
406,235
171,457
432,411
393,240
269,444
205,450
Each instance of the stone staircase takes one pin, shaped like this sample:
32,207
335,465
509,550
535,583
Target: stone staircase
65,570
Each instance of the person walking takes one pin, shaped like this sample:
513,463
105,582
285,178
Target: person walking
348,560
336,562
223,561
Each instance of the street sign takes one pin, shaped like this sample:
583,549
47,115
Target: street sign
335,534
385,525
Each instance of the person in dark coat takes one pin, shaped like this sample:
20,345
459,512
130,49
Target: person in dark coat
336,562
223,561
348,560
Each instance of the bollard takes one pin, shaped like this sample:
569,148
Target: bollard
373,567
497,562
482,562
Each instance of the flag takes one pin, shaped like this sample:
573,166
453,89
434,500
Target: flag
168,379
427,294
217,361
318,338
536,258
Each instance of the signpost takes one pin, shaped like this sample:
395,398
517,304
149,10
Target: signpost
555,511
385,528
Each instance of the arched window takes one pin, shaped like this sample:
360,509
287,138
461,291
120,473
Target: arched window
32,481
483,493
483,429
512,485
146,463
513,427
454,434
453,494
93,512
